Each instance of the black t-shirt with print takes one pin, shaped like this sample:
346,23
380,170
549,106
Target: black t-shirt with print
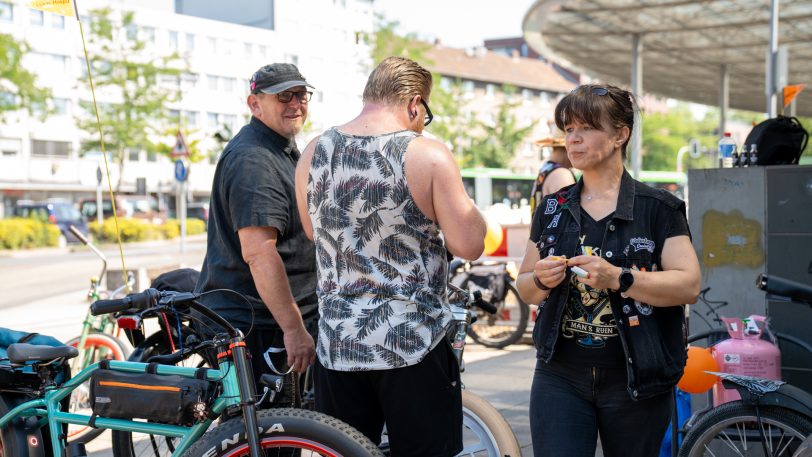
589,334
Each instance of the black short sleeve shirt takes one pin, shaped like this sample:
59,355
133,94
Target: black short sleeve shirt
254,187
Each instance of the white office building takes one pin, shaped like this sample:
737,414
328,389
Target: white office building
40,160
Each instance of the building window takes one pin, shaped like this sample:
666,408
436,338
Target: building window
132,154
263,51
36,17
45,148
6,11
527,95
445,83
174,115
212,80
211,119
10,147
248,49
544,97
173,40
190,42
292,58
192,118
56,21
148,34
212,43
61,106
229,120
188,81
490,90
132,32
152,157
229,84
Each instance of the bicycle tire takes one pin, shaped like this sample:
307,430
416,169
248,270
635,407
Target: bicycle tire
119,351
735,423
287,428
490,330
124,444
486,423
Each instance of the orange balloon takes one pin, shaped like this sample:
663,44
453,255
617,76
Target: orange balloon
694,380
493,237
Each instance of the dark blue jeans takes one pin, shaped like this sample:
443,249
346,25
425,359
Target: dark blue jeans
571,404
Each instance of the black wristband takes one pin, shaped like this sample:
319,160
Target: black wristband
539,284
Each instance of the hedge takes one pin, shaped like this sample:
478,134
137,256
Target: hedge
137,230
19,233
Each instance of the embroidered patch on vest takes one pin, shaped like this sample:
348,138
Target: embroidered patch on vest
642,243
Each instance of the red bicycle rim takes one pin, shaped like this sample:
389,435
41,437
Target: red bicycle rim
287,441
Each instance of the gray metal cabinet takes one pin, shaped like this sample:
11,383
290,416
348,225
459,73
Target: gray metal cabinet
745,221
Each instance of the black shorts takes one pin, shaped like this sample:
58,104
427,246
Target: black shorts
421,404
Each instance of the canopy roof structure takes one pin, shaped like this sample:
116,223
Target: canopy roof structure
684,44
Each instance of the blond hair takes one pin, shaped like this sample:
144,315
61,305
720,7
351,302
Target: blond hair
395,80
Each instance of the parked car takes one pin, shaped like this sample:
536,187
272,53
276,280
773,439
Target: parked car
196,210
142,207
63,214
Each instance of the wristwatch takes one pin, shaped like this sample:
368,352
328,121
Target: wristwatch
626,280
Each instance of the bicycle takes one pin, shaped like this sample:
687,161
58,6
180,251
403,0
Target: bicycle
179,402
97,341
771,419
485,431
482,423
507,324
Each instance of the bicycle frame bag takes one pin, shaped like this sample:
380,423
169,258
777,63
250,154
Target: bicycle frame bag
491,278
168,399
780,141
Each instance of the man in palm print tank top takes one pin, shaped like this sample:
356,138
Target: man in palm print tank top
375,197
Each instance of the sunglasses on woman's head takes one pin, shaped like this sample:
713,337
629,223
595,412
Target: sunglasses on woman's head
597,90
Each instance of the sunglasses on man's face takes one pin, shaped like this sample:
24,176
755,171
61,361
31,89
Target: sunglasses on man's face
429,116
597,90
287,96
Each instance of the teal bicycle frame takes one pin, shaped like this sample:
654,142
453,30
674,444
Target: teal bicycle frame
48,408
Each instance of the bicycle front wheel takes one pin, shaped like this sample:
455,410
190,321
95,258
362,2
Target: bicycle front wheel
732,429
485,432
98,347
506,326
298,431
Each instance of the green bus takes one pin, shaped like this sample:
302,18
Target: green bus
488,186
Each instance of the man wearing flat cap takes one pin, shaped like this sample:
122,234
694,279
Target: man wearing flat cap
256,244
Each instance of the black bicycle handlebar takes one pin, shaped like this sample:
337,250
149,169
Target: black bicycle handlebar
141,300
785,287
482,304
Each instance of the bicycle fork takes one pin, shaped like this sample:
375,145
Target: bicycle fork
247,401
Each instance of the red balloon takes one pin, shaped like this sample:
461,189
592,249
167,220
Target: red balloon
694,380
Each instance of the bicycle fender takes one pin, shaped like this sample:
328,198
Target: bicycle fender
787,396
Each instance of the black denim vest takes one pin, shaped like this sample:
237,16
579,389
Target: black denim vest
653,338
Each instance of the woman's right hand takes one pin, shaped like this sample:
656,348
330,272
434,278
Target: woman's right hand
551,270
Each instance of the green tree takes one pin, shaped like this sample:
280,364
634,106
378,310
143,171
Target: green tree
665,133
18,86
137,118
496,142
385,42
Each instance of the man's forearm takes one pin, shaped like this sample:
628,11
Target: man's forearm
272,284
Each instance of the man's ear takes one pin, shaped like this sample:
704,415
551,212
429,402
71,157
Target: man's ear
253,103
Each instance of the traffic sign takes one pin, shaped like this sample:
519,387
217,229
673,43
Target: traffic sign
180,149
181,170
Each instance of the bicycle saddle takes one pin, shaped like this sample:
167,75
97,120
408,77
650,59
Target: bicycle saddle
20,353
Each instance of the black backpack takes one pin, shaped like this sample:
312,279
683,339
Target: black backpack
780,141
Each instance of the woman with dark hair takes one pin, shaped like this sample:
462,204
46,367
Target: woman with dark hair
611,264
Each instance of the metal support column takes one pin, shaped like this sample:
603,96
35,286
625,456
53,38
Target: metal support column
772,61
637,90
724,98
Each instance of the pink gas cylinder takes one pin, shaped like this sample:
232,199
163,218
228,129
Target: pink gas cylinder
745,353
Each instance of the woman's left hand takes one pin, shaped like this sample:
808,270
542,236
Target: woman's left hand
601,274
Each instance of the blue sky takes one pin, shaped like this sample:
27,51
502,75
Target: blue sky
457,23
